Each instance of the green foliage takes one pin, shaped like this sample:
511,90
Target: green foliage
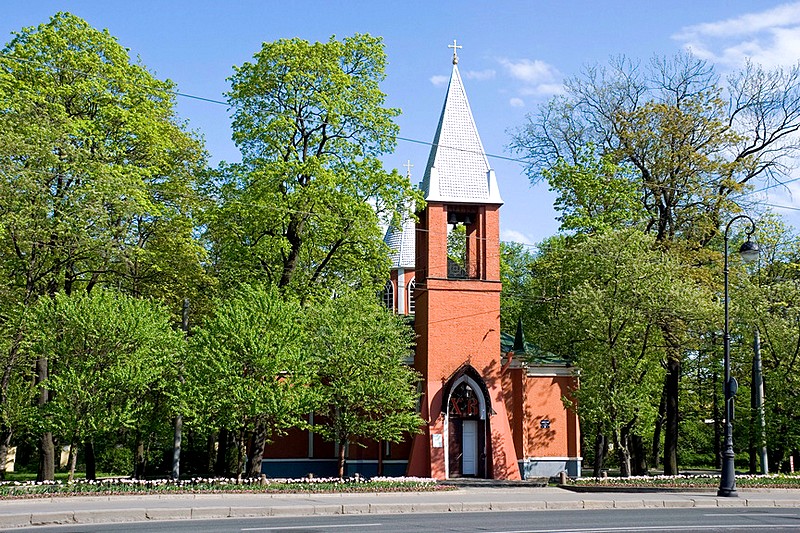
247,365
367,390
768,298
302,209
116,460
595,193
606,297
95,169
111,357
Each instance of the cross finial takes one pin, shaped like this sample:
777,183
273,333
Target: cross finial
455,48
408,166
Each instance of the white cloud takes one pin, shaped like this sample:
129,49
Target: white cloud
531,71
510,235
770,37
539,78
543,90
480,75
439,80
516,102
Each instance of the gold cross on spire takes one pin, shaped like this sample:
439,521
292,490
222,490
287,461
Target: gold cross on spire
455,48
408,166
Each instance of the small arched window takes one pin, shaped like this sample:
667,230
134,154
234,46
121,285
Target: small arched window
411,302
388,295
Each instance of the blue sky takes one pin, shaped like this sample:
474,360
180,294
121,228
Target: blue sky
515,55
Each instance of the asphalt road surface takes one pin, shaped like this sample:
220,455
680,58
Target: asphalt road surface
707,520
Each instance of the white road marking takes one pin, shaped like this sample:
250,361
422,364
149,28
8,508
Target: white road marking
285,528
651,528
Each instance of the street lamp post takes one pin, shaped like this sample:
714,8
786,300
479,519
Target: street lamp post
749,252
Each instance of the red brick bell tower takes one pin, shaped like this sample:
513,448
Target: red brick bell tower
458,307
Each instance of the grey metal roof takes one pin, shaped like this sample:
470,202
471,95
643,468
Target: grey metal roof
457,169
401,242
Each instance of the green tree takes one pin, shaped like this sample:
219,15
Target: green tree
302,209
367,389
769,299
692,141
95,174
110,355
248,372
17,393
595,193
615,289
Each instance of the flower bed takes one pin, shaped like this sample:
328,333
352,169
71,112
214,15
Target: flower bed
111,486
697,481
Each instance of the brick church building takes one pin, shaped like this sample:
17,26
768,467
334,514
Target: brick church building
492,402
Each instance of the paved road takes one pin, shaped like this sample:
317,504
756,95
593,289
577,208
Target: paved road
96,509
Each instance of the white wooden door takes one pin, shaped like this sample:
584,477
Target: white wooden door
469,447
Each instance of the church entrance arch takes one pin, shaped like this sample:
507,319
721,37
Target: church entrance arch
466,426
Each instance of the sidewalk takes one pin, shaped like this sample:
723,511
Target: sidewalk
104,509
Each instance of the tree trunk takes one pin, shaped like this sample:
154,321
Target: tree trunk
5,444
176,440
600,450
380,457
73,460
91,460
139,459
622,446
241,454
655,452
221,466
176,447
671,427
47,453
639,457
342,450
211,453
257,451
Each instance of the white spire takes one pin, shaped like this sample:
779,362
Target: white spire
457,169
402,240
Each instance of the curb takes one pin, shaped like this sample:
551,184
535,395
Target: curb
10,521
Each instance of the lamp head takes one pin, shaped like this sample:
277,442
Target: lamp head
749,251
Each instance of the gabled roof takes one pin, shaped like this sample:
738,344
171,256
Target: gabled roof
401,242
458,170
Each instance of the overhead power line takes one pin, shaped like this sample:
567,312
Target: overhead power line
400,138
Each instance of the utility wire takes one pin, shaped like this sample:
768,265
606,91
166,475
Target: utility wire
401,138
